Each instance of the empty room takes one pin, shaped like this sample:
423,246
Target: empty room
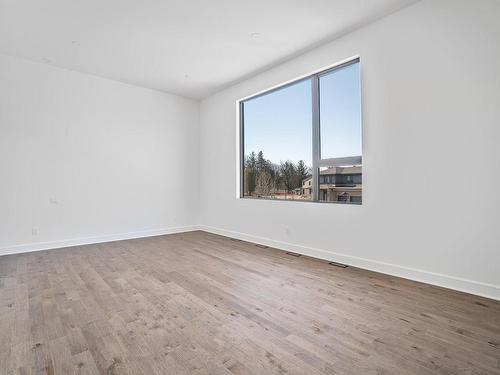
299,187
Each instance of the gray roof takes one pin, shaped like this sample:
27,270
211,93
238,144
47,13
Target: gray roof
356,169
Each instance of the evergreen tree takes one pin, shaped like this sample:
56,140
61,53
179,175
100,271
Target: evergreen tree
261,162
250,173
302,172
249,179
288,175
251,161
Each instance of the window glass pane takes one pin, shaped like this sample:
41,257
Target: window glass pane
340,135
340,112
277,143
340,184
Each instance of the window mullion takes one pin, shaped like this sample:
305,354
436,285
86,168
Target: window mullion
316,152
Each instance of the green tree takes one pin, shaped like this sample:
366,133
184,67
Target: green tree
251,161
249,179
261,162
250,173
302,172
288,175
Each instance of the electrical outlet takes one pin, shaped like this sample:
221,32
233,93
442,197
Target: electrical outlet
34,231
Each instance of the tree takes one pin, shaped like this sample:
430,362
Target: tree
250,173
274,171
249,181
264,183
302,172
261,162
251,161
288,175
285,175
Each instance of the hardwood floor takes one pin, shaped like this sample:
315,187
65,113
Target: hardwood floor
198,303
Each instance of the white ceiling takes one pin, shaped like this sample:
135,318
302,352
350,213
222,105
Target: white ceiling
188,47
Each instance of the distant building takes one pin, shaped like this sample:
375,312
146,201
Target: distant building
337,184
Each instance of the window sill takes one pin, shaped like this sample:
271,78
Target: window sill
300,201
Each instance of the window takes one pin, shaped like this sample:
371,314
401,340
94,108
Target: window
302,141
356,199
278,143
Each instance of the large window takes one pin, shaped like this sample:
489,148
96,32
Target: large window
302,141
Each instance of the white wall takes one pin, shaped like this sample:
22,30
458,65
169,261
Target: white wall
122,161
119,160
431,109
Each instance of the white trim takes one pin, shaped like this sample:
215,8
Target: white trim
37,246
446,281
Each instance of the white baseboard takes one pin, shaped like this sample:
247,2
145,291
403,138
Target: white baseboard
446,281
25,248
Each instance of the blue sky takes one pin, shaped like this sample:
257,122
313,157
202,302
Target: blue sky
279,123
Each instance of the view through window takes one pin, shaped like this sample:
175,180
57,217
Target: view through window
302,141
